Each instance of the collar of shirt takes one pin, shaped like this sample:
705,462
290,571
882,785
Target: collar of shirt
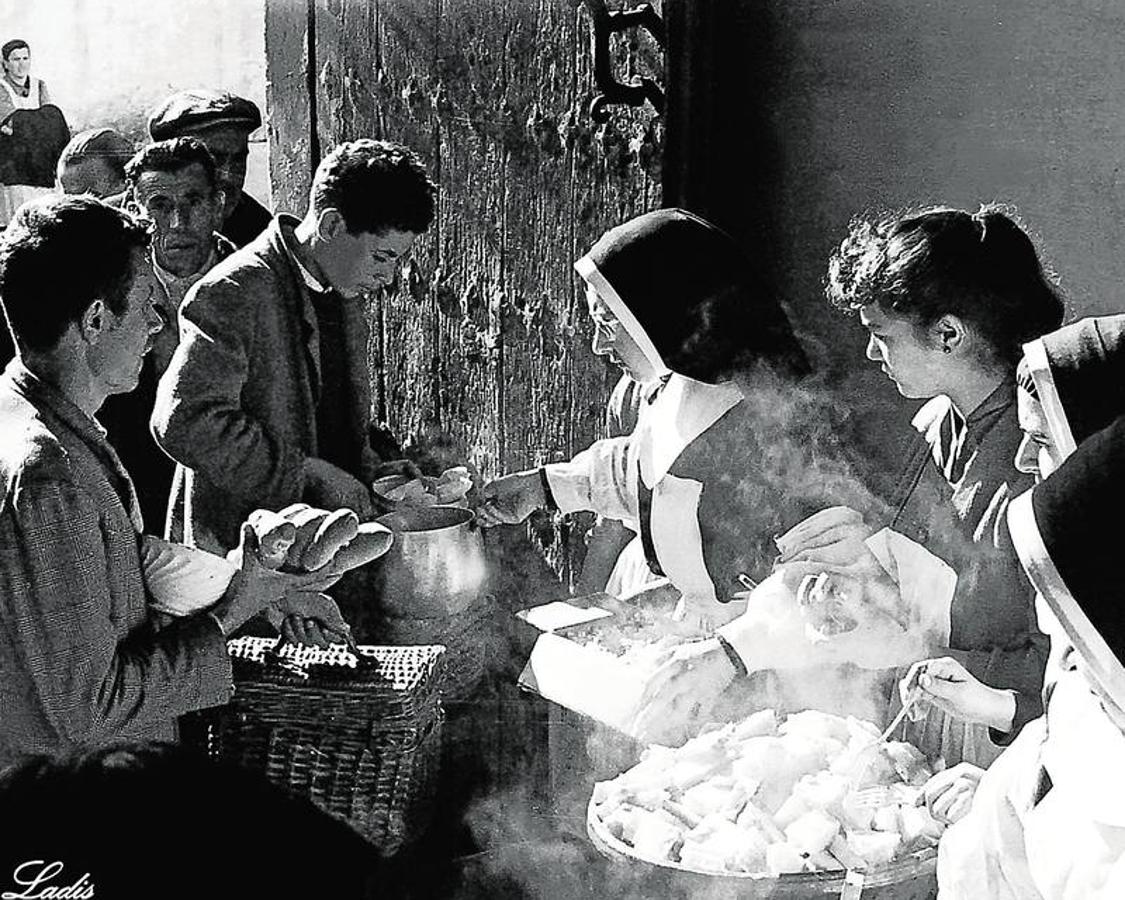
682,410
951,435
180,283
49,399
286,224
24,89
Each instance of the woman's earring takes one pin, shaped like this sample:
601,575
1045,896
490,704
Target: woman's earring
946,349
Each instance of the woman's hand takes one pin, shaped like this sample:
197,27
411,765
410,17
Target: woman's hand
835,535
950,687
863,583
682,691
704,616
510,499
949,794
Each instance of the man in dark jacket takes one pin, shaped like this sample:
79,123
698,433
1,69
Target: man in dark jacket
223,122
267,400
173,184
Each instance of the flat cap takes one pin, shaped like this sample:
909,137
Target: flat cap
201,108
98,143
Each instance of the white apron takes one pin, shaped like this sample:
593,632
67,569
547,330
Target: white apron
1070,844
613,478
13,196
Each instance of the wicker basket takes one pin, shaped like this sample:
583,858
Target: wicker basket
359,738
912,877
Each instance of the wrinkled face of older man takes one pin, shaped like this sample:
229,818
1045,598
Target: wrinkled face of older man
18,64
230,147
187,210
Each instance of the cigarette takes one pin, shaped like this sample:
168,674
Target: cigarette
746,581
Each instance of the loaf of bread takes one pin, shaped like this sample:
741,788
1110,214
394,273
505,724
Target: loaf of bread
371,541
336,530
307,522
275,536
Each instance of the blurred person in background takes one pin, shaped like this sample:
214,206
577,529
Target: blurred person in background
223,122
94,163
267,400
174,185
29,145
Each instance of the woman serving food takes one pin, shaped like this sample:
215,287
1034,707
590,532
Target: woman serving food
948,298
676,304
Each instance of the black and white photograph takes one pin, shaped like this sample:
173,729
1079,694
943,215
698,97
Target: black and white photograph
562,449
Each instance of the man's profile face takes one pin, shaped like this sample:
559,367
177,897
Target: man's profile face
127,337
18,64
230,146
187,211
90,176
359,264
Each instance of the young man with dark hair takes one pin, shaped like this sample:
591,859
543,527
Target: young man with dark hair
267,399
81,662
173,184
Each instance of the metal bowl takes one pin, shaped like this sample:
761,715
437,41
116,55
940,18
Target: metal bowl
436,566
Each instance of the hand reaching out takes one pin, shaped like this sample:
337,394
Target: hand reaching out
950,687
510,499
682,690
330,487
835,535
949,794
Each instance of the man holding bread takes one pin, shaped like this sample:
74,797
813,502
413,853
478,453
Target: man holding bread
86,656
266,402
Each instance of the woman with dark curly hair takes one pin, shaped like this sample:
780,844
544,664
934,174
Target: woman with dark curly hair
676,305
948,299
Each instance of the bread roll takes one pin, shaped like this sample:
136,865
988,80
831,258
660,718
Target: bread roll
307,522
338,529
275,536
371,541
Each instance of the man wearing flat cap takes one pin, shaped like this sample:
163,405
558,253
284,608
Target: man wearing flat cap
223,122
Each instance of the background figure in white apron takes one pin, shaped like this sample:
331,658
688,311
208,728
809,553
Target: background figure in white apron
19,89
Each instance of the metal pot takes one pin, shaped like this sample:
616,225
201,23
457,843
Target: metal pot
436,566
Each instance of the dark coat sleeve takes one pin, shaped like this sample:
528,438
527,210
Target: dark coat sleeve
199,418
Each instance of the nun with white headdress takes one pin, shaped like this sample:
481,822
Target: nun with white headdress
677,305
1047,819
